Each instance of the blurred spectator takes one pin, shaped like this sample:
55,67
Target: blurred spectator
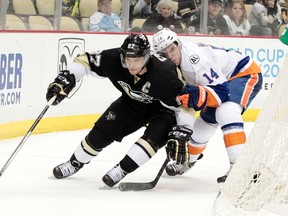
165,17
251,2
216,24
10,8
236,18
246,2
70,8
265,18
186,7
141,8
104,20
283,5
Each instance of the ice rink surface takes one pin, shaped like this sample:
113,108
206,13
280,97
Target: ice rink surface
27,188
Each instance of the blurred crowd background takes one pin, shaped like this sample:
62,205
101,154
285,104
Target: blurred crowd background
211,17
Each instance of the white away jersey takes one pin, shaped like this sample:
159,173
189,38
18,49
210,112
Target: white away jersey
211,67
204,64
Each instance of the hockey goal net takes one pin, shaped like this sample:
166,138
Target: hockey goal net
258,182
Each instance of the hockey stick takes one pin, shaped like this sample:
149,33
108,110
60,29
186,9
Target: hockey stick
27,135
139,186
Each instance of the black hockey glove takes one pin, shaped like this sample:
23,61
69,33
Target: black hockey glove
61,86
193,96
177,146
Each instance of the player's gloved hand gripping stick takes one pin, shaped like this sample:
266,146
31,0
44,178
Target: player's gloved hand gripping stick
177,144
62,86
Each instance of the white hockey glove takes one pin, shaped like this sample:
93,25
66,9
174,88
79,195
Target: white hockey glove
177,146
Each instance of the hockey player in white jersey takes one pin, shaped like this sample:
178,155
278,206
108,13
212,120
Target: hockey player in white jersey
202,65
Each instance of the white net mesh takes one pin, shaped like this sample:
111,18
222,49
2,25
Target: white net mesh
258,182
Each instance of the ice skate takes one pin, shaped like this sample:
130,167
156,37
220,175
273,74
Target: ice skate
174,169
115,175
67,169
178,169
223,178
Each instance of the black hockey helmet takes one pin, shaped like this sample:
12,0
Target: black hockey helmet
135,45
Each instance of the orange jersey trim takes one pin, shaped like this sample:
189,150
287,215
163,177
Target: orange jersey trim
253,69
211,99
249,89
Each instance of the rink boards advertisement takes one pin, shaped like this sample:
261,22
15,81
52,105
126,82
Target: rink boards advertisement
29,62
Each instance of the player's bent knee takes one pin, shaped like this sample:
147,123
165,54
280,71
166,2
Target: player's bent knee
98,140
229,112
203,131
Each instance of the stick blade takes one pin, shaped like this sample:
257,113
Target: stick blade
136,186
140,186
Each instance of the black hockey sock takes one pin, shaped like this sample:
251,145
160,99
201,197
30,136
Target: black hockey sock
128,165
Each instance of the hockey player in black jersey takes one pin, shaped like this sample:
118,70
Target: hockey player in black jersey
144,80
